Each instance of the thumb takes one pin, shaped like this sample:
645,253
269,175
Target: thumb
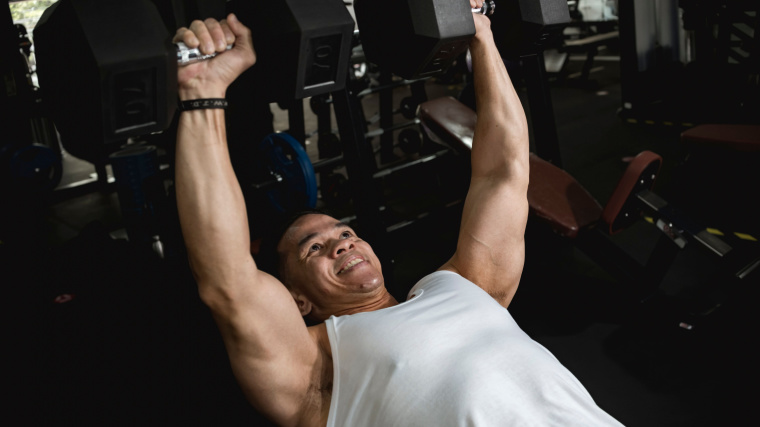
243,41
241,32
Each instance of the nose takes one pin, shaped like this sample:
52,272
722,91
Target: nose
342,245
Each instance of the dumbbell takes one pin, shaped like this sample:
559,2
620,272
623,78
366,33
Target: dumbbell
425,38
108,69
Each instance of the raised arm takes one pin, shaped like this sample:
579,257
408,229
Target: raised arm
491,247
271,351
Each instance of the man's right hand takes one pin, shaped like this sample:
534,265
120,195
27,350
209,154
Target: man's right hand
210,79
482,22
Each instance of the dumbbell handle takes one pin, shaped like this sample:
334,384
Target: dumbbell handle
488,7
186,56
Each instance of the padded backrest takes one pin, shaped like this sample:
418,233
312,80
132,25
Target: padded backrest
623,207
449,121
557,198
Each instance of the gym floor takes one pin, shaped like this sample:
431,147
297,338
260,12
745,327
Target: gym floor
136,346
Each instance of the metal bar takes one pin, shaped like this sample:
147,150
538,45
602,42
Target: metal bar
541,111
383,87
328,163
749,268
698,232
296,121
386,172
387,130
386,118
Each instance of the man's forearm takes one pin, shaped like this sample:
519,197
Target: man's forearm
210,202
501,130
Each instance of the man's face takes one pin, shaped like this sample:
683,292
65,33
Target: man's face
327,267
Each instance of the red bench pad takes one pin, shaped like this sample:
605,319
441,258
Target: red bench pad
449,120
557,198
744,138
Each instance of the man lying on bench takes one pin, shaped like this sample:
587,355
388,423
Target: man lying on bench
449,355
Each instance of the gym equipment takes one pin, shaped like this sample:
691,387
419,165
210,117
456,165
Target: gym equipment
187,56
109,79
303,47
136,174
721,41
408,107
410,141
289,165
525,27
328,144
487,9
425,36
428,35
737,138
30,167
559,200
104,77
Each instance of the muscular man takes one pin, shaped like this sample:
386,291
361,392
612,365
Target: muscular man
450,354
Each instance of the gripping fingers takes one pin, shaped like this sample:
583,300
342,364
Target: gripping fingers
216,32
203,35
185,36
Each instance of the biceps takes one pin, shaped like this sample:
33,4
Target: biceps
491,246
494,218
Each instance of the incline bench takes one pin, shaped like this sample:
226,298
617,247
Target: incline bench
553,194
561,202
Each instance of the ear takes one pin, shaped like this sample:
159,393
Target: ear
303,304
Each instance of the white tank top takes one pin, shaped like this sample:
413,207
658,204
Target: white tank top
449,356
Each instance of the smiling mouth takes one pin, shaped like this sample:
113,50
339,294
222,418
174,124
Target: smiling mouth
351,264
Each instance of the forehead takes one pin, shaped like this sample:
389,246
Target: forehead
305,226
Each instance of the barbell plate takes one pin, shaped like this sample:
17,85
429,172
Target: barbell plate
36,167
283,156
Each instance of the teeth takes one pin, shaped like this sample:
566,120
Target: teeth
351,264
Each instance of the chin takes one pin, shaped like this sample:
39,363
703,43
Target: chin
371,285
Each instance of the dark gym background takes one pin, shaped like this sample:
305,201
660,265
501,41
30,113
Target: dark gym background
105,333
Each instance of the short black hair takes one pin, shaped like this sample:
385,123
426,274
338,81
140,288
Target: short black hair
268,259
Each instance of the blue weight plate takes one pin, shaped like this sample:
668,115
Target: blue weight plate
36,167
282,154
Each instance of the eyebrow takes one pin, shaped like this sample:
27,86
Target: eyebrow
310,236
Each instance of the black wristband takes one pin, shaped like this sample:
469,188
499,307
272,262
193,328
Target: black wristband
199,104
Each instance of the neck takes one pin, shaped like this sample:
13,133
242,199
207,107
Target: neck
382,300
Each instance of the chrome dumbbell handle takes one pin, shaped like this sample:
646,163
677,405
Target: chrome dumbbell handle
186,55
487,9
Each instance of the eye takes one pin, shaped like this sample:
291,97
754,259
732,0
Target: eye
345,235
315,247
